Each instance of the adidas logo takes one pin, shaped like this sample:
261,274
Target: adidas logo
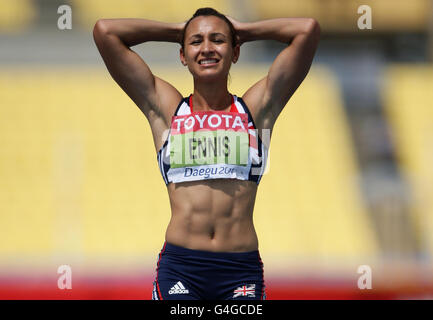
178,288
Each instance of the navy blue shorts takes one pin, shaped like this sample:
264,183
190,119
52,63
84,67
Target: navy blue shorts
186,274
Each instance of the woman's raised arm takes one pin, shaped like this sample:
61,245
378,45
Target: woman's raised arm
269,95
113,37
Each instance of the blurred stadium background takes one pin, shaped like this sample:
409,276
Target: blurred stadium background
350,180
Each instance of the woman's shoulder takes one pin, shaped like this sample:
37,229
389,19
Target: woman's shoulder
259,106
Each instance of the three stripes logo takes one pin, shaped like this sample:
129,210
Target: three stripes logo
178,288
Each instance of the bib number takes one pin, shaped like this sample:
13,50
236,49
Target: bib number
205,138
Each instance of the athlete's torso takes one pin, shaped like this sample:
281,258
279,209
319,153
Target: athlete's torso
207,213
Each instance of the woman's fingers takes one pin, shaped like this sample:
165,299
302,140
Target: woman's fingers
237,26
233,21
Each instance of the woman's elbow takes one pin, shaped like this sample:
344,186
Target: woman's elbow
100,28
312,27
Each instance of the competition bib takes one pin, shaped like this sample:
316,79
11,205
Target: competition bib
207,138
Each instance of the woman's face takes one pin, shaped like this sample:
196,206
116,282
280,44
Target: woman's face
208,50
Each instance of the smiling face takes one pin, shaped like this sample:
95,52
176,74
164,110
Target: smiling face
208,50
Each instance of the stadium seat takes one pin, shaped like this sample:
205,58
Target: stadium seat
163,10
17,15
408,97
342,15
80,174
308,204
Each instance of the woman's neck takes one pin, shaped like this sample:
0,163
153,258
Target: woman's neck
211,96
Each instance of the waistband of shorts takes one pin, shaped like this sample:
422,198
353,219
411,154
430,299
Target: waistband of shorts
173,249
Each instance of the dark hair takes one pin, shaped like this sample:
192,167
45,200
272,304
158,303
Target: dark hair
209,12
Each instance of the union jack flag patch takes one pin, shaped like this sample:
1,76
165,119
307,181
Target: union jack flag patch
244,291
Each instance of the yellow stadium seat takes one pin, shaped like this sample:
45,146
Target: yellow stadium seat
164,10
16,16
408,97
309,204
79,174
342,15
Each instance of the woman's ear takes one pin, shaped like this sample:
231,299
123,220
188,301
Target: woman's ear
182,57
236,53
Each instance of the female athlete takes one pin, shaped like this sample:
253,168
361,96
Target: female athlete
209,145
